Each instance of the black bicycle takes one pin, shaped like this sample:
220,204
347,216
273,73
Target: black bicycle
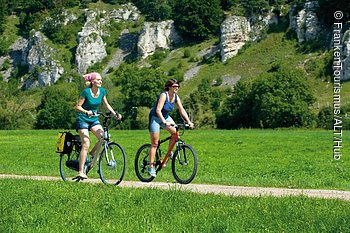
184,162
110,157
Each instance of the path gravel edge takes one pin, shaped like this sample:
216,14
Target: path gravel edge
214,189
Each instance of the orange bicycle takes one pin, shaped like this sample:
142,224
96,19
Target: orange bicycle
184,162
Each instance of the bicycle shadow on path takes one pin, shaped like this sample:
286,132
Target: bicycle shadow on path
213,189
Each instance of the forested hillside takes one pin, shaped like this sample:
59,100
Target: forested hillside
274,77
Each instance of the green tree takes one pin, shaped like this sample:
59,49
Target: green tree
325,118
280,98
57,107
254,7
16,110
202,105
155,10
140,86
198,19
2,15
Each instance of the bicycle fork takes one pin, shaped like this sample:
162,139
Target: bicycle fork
182,158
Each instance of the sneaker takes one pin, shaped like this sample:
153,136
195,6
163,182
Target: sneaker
151,171
82,176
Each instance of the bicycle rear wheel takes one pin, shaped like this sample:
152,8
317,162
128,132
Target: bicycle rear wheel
184,164
112,164
142,163
69,166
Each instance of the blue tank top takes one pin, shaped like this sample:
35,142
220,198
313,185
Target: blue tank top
168,107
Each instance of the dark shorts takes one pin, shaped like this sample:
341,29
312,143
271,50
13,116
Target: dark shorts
80,124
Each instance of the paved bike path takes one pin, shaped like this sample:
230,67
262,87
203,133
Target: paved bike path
214,189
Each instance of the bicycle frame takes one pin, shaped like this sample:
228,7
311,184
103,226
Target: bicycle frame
176,137
183,156
176,140
103,142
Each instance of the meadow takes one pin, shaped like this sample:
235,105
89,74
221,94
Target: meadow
52,206
293,158
297,158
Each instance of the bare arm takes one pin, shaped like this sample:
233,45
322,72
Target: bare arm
160,106
79,107
106,104
183,112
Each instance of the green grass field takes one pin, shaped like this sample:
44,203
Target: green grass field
51,206
267,158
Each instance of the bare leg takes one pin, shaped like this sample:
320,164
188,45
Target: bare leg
154,145
85,139
98,132
172,131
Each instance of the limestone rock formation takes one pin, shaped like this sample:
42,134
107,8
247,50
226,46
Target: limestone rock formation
157,35
91,48
127,12
305,22
237,30
16,56
346,55
234,33
44,69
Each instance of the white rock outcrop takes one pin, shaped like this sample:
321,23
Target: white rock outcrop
346,55
237,30
40,58
157,35
126,12
91,48
305,22
234,34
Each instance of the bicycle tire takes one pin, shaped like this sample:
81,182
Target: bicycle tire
112,164
142,163
184,164
69,166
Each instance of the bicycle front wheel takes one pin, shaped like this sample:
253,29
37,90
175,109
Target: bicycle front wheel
112,164
69,166
184,164
142,163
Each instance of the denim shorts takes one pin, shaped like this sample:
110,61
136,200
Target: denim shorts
80,124
155,123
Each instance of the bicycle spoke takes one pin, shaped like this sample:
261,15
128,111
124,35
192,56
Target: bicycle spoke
142,163
69,166
184,164
112,164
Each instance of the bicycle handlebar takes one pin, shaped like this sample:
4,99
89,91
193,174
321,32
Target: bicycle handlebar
106,117
181,126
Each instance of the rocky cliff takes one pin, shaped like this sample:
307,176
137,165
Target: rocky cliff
305,22
156,35
234,34
44,67
237,30
91,48
346,55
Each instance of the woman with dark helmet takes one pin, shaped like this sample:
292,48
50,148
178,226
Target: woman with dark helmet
159,117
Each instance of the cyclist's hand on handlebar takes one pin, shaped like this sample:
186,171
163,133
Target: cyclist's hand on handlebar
118,116
90,113
191,125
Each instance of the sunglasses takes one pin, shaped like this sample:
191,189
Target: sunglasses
174,86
